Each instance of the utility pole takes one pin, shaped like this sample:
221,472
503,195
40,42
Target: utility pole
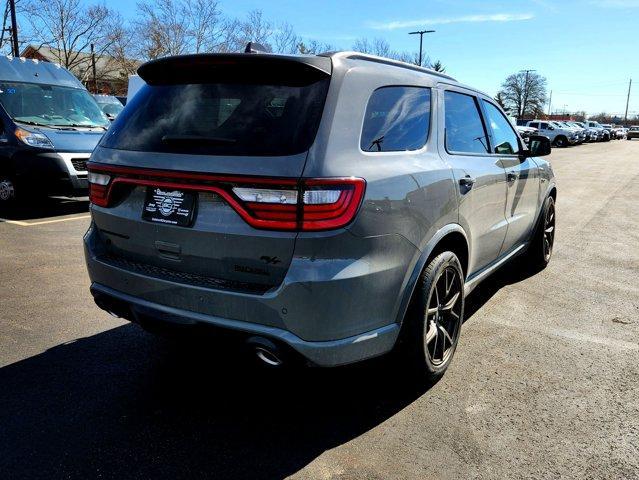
95,81
14,29
525,99
625,118
421,37
550,103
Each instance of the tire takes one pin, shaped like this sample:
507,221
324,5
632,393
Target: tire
432,325
7,192
541,246
561,141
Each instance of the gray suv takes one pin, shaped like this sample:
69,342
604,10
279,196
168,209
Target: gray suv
328,208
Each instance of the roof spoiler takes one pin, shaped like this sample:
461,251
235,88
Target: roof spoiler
262,68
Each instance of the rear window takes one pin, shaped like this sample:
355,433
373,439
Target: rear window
221,119
397,119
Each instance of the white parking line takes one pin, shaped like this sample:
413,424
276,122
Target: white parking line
43,222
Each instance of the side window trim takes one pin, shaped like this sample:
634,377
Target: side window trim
480,111
492,140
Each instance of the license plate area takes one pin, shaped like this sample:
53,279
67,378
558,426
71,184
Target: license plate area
169,206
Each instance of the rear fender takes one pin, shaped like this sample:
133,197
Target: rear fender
413,278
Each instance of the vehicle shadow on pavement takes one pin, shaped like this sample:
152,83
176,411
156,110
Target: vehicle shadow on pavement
124,404
516,271
37,209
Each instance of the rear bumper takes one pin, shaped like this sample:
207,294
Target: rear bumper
324,354
333,306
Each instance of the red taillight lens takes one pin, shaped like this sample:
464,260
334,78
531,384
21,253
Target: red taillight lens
330,203
264,203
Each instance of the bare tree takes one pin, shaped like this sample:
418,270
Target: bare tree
207,27
69,28
285,40
122,50
313,47
163,28
254,28
524,94
499,98
437,65
381,48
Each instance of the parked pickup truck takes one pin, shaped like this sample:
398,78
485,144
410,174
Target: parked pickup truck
559,136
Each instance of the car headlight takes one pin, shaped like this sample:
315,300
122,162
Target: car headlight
33,139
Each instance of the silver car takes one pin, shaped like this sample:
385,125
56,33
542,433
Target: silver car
328,208
559,135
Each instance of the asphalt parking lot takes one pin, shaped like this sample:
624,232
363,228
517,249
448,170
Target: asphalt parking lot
545,382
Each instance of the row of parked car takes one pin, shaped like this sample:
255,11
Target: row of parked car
565,133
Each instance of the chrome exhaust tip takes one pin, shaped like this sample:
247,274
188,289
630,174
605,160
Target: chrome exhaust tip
268,357
266,351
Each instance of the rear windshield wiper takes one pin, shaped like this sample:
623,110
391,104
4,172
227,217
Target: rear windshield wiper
197,139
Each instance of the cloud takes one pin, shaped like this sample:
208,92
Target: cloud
495,17
616,3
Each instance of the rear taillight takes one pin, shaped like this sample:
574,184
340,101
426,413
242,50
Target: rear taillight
98,183
265,203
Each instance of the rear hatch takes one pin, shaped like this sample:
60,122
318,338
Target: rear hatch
198,178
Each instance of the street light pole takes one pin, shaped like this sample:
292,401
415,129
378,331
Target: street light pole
525,99
95,81
625,117
421,38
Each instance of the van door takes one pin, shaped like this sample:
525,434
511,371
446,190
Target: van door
481,177
521,175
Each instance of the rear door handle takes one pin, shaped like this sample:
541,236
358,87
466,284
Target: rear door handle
511,177
467,181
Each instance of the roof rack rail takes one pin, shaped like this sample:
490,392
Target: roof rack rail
383,60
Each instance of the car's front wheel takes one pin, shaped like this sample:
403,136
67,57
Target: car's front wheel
7,191
433,324
561,141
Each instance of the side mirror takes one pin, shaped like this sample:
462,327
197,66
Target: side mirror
551,128
538,146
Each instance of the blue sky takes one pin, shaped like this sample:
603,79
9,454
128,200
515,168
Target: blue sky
587,49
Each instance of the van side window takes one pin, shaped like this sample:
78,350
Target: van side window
465,131
397,119
505,141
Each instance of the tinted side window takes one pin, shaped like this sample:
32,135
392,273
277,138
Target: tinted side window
544,126
505,141
464,129
534,125
396,119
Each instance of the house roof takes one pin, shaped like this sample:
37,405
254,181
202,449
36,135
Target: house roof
106,66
